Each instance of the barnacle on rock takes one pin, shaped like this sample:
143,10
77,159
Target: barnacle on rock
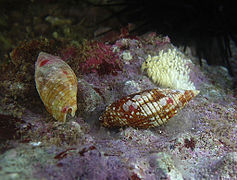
146,109
169,69
56,84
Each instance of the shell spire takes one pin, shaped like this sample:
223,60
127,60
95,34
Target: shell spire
56,84
146,109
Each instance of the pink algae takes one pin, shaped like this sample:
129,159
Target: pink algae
100,59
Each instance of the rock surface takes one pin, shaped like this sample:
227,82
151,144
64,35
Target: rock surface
197,143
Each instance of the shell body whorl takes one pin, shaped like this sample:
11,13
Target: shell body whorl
56,84
146,109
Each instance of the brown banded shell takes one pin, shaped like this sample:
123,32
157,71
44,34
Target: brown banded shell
146,109
56,84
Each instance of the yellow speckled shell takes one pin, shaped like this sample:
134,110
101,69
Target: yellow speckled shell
146,109
56,84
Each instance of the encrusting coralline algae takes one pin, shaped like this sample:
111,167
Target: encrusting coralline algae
195,143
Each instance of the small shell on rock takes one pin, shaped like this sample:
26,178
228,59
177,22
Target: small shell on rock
56,84
146,109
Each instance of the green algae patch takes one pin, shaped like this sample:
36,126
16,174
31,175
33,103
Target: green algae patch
19,163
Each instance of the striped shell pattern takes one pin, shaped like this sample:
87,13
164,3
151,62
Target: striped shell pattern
56,84
146,109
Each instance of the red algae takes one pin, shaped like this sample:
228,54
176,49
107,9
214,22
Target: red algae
84,150
64,154
99,57
189,143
